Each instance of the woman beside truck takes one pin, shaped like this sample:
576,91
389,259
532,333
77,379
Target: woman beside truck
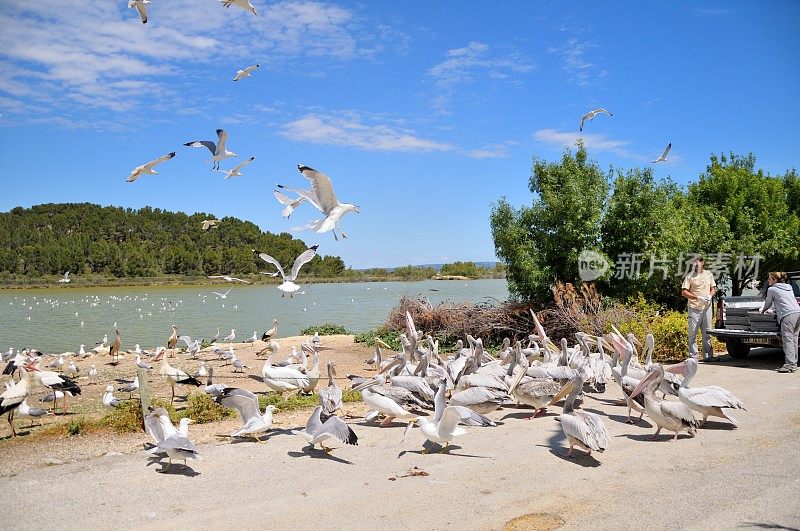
781,295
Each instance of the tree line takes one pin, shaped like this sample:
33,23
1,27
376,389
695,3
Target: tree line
84,238
646,230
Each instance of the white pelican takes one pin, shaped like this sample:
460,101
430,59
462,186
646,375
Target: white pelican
672,416
709,401
245,72
317,431
175,376
663,157
246,403
217,150
236,171
324,199
288,285
65,279
330,397
591,114
313,373
288,203
244,4
583,429
147,169
444,426
209,223
536,392
283,379
141,7
378,403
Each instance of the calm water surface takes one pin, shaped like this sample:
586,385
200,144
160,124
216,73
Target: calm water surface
60,319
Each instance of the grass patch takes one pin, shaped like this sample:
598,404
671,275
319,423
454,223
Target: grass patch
390,337
294,401
203,409
327,329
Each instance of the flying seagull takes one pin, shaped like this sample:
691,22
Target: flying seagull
209,223
65,278
289,203
217,150
222,295
235,171
141,7
245,72
148,168
288,285
591,114
230,279
324,199
244,4
663,157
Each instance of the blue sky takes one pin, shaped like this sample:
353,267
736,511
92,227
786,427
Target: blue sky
422,113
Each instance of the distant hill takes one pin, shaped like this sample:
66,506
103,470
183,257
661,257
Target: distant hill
122,242
438,267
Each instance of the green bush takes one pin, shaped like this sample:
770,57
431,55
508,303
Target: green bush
383,333
327,329
203,409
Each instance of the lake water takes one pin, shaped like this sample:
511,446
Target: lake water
60,319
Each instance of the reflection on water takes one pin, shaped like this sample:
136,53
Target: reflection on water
60,319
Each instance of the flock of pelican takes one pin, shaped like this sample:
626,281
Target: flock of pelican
418,387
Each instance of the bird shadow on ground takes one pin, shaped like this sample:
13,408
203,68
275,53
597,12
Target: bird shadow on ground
433,448
767,525
174,469
263,437
608,401
316,453
578,457
715,425
623,419
522,415
648,437
256,378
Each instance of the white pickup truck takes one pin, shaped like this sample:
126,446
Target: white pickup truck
740,325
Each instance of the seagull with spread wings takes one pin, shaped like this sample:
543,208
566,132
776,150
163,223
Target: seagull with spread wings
316,431
217,150
141,7
230,278
324,199
591,114
289,203
663,157
148,168
235,172
288,285
209,223
244,4
245,72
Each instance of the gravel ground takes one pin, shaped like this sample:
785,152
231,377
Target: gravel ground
516,472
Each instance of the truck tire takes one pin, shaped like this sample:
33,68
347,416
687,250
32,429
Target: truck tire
737,349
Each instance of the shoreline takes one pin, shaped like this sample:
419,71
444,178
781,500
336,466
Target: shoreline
102,282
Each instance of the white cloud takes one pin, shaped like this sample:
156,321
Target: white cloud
351,131
491,151
592,141
575,63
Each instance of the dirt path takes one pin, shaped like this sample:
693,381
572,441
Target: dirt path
723,478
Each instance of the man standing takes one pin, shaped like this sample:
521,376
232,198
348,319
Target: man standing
699,287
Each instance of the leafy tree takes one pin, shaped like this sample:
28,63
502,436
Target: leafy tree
461,269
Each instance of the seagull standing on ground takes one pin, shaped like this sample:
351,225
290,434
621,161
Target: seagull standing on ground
217,150
148,168
244,4
235,171
245,72
231,336
141,7
663,157
591,114
288,285
324,199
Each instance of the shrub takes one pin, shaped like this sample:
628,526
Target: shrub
125,418
327,329
203,409
383,333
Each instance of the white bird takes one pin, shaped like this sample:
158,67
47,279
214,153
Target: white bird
217,150
93,374
283,379
324,199
235,172
25,410
222,295
246,403
147,169
289,203
288,285
582,428
663,157
245,72
109,400
377,403
231,336
316,431
591,114
251,339
174,376
57,363
130,387
209,223
141,364
244,4
141,7
229,278
709,401
65,278
272,332
173,442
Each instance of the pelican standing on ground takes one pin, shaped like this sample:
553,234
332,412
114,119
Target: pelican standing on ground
324,199
217,150
330,397
283,379
288,285
378,403
583,429
147,169
672,416
709,401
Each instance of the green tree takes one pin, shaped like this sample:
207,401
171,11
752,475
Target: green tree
461,269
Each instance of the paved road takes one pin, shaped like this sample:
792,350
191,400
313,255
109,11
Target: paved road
723,478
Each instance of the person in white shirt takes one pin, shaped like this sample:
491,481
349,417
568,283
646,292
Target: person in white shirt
699,287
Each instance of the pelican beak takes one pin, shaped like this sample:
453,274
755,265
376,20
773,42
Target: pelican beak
681,368
364,385
606,344
395,362
408,429
645,381
567,389
382,343
333,369
636,341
